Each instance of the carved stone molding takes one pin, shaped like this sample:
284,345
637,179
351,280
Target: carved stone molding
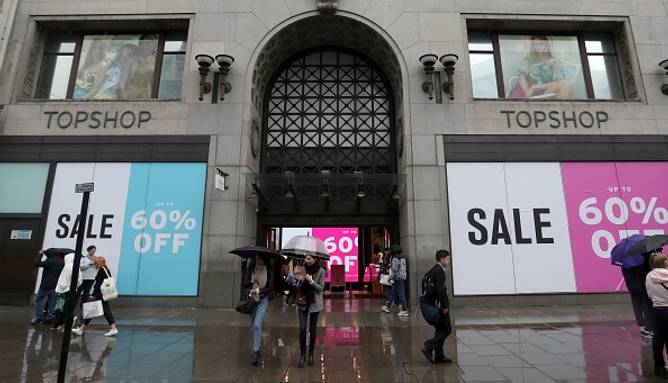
400,136
255,138
327,7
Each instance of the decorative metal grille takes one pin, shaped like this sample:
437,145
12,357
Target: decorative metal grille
329,110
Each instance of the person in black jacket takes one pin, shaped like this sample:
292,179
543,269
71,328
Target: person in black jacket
51,267
634,278
258,284
438,296
102,274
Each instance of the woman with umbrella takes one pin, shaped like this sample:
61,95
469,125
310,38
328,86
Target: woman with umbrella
258,284
309,283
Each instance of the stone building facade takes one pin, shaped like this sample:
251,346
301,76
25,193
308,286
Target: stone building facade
602,101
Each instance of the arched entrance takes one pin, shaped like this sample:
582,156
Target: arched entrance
329,147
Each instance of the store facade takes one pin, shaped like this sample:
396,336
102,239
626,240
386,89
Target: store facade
330,119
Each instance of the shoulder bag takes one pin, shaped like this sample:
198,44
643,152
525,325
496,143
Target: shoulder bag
108,287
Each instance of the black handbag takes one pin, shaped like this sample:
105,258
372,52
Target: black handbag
430,312
246,305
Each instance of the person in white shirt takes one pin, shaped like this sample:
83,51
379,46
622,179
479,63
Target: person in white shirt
63,287
657,289
88,273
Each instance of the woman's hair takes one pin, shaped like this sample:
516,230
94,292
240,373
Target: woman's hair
100,262
312,269
533,54
658,260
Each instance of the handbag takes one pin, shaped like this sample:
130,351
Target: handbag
245,305
430,312
92,309
108,288
59,306
301,300
386,279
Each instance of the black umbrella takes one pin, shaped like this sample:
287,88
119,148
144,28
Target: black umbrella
55,251
303,246
648,244
252,251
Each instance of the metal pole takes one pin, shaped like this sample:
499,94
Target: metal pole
72,299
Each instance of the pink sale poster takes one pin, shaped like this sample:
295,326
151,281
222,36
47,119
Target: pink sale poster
342,245
605,203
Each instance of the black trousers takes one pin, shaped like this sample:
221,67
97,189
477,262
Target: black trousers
660,338
312,325
441,332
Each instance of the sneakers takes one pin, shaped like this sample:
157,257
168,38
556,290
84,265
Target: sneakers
386,308
403,313
36,322
112,332
427,354
78,331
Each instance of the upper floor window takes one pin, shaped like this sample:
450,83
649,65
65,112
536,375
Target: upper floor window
127,66
575,66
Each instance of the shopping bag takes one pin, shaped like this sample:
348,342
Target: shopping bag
108,288
386,280
92,309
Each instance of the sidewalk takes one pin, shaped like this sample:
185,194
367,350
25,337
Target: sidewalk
356,343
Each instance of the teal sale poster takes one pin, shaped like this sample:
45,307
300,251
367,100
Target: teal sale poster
144,218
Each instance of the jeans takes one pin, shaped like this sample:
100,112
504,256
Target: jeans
257,317
312,326
50,296
660,338
441,332
398,294
638,303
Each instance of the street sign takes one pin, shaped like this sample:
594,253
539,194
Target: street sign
21,234
84,188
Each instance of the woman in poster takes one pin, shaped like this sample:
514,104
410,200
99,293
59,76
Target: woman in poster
136,80
92,73
541,74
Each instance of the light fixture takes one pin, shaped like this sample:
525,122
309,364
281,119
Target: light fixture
395,192
664,65
221,180
428,61
224,63
290,193
361,193
253,193
204,62
324,187
449,61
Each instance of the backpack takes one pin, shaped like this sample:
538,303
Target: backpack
428,286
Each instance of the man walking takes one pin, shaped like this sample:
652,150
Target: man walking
88,273
436,294
51,267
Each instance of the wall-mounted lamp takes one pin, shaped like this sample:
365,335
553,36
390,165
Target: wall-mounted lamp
449,61
428,61
395,192
290,193
324,187
361,192
204,62
224,63
221,180
664,65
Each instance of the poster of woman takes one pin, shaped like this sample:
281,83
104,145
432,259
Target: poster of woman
542,67
116,67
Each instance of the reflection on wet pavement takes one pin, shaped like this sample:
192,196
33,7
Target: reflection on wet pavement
356,343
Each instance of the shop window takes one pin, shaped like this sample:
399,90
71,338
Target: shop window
557,66
22,187
124,66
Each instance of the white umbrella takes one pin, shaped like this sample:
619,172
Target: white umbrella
302,246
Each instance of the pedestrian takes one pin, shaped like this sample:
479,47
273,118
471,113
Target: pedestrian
62,289
51,268
436,294
648,313
309,283
102,274
634,277
259,282
88,273
398,273
658,293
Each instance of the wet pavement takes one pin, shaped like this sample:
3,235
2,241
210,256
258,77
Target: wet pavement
356,343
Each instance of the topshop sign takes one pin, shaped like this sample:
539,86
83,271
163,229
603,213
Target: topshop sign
96,119
555,119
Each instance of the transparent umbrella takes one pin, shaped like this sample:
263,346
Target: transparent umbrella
302,246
